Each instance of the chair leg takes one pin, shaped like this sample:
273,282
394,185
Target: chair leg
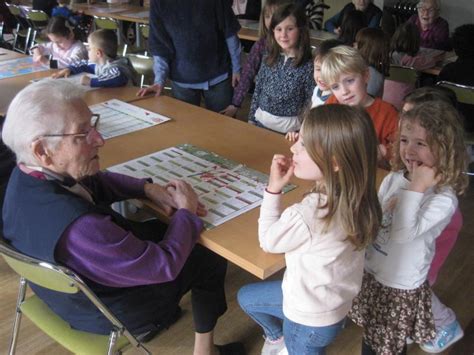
27,40
16,324
112,340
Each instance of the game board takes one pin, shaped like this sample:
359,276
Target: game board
20,66
225,187
118,117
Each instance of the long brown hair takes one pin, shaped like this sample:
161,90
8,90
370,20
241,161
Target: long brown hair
446,140
303,50
406,39
342,141
374,46
270,6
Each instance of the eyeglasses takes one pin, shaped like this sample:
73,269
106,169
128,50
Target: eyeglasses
430,10
95,118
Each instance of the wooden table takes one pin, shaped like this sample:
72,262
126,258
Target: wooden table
9,87
6,54
449,57
236,240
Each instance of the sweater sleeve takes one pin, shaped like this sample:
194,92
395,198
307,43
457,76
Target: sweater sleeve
97,248
414,217
281,233
257,92
110,77
82,67
249,72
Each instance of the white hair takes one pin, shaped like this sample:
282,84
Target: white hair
436,3
37,110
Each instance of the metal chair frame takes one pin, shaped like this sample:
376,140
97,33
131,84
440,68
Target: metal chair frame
20,30
38,20
65,281
108,23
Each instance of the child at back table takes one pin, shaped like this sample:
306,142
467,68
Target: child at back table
110,69
347,74
405,51
418,199
63,48
373,44
284,82
254,59
323,237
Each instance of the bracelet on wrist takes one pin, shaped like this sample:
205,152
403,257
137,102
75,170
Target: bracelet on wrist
271,192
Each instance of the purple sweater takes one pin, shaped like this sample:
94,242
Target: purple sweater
97,248
249,72
437,36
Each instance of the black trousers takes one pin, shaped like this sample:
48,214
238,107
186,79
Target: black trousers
203,275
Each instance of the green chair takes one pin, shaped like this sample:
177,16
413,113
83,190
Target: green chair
465,95
143,65
145,33
403,74
38,20
108,23
20,31
61,279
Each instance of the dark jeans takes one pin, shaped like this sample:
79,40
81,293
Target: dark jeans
203,274
217,98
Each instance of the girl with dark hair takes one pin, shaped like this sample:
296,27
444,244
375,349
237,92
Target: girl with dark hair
284,83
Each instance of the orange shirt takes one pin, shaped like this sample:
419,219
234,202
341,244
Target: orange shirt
385,119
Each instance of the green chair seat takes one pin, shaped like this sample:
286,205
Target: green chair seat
55,327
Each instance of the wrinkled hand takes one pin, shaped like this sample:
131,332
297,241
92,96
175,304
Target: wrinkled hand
153,89
230,111
183,195
63,73
292,136
85,80
161,197
235,79
422,178
281,171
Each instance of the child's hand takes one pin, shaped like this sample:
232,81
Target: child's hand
292,136
85,80
235,79
230,111
280,173
422,178
63,73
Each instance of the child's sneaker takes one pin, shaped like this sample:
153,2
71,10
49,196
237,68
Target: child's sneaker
446,337
273,347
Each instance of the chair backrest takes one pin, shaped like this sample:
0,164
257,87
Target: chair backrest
38,19
145,30
403,74
464,93
143,65
52,276
14,9
106,23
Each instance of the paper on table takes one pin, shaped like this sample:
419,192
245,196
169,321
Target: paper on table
118,118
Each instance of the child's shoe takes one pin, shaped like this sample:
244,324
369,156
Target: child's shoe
273,347
445,337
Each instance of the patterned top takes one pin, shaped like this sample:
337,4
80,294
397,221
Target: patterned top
249,71
283,90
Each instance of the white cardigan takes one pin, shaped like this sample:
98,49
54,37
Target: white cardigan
402,253
323,271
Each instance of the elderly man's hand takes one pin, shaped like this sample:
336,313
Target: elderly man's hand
161,197
185,197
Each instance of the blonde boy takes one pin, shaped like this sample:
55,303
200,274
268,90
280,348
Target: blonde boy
110,70
346,73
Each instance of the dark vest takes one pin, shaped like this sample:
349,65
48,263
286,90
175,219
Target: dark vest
36,213
191,36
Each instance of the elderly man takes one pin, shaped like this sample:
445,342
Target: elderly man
434,30
57,209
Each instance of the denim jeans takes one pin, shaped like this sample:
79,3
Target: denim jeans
217,98
263,302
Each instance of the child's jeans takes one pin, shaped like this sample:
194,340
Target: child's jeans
263,302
